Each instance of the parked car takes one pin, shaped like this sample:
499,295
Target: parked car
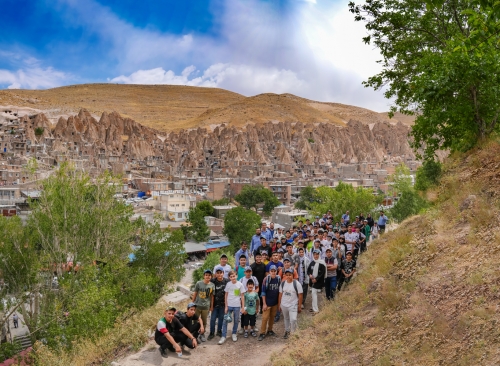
196,265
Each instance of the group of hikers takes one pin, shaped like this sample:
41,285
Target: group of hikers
287,264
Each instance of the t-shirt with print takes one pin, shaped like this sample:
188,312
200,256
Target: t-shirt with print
270,289
289,297
234,291
204,290
219,292
347,266
251,302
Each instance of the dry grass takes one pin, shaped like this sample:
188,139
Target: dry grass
171,107
127,336
422,296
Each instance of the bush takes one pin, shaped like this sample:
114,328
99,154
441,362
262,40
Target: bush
212,260
410,203
428,175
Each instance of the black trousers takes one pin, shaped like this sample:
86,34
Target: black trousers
184,340
165,344
341,280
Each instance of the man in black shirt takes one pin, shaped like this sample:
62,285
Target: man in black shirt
192,323
259,271
217,311
168,330
263,248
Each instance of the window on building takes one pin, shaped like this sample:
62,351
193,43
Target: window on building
179,215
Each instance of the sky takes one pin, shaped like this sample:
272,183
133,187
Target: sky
310,48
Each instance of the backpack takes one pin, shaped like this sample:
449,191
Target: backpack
294,286
268,280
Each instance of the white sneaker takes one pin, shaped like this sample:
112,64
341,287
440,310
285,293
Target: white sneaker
235,337
222,340
256,329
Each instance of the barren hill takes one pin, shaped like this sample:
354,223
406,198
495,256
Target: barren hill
171,107
426,293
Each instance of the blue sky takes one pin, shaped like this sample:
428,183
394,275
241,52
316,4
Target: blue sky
310,48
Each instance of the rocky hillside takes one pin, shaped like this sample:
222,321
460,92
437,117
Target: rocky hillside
268,143
171,107
427,293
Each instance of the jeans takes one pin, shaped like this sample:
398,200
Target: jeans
290,316
217,314
236,319
330,286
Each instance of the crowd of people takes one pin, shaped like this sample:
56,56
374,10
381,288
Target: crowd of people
286,265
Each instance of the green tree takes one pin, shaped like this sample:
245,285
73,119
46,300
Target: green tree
409,201
427,175
344,198
307,198
440,61
206,207
222,202
239,225
198,230
213,259
252,196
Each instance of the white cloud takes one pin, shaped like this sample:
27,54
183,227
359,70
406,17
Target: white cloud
312,51
248,80
33,76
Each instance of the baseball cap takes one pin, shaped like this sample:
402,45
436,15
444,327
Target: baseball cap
191,304
207,271
219,268
171,308
288,270
248,268
348,253
317,251
272,268
280,250
328,249
286,259
223,256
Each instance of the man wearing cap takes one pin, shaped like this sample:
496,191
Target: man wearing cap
242,251
290,301
317,274
203,297
255,242
218,305
223,263
249,276
192,323
167,333
350,238
331,274
270,296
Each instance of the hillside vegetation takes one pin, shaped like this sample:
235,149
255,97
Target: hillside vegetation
172,107
427,293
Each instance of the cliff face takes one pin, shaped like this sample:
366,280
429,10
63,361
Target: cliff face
267,143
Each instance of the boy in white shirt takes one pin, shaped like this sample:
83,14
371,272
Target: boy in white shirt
235,301
290,301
